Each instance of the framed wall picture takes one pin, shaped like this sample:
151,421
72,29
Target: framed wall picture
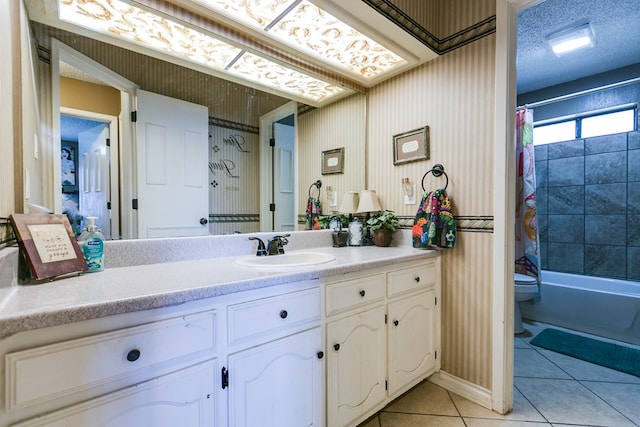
69,166
411,146
333,161
48,244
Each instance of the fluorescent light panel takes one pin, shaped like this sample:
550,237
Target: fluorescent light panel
160,33
303,26
572,39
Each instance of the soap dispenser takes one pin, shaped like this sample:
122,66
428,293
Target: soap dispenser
91,242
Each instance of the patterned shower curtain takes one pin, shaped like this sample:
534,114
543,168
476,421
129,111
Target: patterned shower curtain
527,236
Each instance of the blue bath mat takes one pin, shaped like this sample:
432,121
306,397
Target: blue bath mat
601,353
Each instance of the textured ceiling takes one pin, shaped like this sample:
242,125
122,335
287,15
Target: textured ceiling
615,23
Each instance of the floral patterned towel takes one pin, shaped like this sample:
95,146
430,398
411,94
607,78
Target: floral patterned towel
314,210
434,224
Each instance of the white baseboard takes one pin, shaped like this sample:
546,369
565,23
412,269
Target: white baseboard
463,388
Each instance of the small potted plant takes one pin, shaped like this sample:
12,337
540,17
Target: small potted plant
383,224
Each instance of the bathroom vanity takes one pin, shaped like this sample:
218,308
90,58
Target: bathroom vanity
208,342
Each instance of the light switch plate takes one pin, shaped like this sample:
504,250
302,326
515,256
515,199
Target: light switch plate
411,200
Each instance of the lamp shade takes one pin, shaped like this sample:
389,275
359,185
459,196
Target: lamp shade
369,201
349,202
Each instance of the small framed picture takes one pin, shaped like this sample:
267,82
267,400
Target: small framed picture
411,146
69,166
333,161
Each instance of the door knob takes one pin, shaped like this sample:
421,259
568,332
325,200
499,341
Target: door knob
204,221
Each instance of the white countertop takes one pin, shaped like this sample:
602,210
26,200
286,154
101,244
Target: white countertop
142,287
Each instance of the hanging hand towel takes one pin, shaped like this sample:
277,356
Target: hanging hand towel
314,210
434,224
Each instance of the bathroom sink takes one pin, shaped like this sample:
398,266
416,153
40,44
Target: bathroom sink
285,261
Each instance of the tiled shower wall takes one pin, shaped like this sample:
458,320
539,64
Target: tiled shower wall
588,200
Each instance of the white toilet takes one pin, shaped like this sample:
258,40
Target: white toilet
525,289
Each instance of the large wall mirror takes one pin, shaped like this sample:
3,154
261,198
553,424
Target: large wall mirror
239,119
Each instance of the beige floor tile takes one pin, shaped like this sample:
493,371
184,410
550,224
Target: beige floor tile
371,422
568,401
521,343
522,409
623,397
531,364
388,419
425,398
479,422
569,425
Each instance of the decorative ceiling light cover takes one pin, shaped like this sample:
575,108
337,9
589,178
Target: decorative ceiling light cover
271,74
253,13
145,28
304,26
148,29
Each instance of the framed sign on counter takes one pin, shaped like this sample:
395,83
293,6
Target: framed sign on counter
48,244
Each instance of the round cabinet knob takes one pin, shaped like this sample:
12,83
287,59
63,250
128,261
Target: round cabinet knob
204,221
133,355
417,278
320,354
395,322
336,347
283,314
362,292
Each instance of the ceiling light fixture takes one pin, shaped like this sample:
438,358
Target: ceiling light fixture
571,39
158,32
304,26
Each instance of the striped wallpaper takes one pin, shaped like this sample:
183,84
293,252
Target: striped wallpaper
340,124
454,96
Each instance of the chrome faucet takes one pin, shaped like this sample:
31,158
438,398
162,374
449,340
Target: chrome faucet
262,251
275,245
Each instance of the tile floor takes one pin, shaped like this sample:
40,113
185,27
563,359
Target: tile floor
550,389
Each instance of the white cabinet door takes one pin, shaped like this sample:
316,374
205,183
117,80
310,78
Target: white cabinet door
412,340
356,365
182,398
278,384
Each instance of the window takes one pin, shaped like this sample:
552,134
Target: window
585,126
556,132
606,124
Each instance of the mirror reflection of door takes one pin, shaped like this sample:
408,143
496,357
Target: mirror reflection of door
172,167
85,172
283,174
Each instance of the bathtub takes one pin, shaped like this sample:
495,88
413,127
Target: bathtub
608,308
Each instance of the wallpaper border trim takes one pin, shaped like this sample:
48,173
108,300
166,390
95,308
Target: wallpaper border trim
230,218
440,46
223,123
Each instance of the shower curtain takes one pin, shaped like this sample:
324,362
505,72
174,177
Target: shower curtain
527,250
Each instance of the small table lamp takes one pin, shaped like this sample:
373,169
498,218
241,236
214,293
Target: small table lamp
368,203
349,203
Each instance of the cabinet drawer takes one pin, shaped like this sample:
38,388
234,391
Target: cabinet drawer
410,279
277,315
346,295
127,355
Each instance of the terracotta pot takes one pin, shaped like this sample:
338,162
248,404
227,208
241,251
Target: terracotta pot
382,237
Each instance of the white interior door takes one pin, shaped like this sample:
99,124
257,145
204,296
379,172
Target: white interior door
283,179
94,176
172,162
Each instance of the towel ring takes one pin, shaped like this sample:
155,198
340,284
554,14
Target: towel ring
437,170
316,184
